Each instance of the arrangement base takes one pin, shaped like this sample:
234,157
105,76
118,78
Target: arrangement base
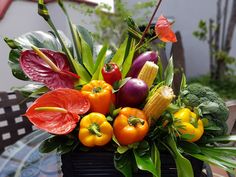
99,163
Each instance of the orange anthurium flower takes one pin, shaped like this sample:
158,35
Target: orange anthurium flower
58,111
163,30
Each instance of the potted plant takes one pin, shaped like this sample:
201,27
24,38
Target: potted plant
120,108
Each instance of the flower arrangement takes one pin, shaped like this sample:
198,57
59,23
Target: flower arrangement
124,100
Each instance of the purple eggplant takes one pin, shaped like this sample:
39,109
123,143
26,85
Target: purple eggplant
133,93
140,61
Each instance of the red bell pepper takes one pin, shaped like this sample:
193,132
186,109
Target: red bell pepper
111,73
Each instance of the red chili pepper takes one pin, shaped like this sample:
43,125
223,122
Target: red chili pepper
111,73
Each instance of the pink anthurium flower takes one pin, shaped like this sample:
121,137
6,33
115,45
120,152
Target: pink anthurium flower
58,111
48,67
163,30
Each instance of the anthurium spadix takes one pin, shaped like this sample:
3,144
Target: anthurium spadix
48,67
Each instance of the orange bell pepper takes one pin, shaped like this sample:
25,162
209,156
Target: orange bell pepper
95,130
130,126
100,95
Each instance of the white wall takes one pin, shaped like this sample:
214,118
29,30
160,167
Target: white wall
187,13
22,17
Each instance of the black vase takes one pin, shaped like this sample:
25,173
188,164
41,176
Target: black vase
99,163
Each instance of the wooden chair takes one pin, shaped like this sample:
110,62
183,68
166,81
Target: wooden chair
12,125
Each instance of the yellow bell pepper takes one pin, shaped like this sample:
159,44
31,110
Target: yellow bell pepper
95,130
189,123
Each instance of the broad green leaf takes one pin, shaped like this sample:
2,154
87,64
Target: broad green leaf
184,167
74,33
86,35
123,163
87,56
12,43
160,71
31,90
81,71
169,73
13,61
43,11
122,149
128,61
227,161
121,83
212,161
183,84
227,138
50,144
118,58
190,147
100,63
145,162
155,155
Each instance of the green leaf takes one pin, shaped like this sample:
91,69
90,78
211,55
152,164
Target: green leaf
87,56
169,73
144,162
123,163
186,137
81,71
212,161
160,71
122,149
227,138
121,83
119,56
208,107
190,147
86,35
73,30
50,144
184,167
155,155
183,84
128,61
100,63
42,10
133,29
227,161
13,61
31,90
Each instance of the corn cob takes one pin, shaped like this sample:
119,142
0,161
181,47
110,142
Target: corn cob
158,103
148,73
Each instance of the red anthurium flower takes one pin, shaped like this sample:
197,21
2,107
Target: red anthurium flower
56,76
58,111
163,30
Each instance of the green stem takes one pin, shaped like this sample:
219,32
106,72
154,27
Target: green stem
135,120
97,89
150,22
94,129
150,40
52,109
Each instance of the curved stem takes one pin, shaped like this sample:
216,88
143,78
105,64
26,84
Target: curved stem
94,129
150,22
135,120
